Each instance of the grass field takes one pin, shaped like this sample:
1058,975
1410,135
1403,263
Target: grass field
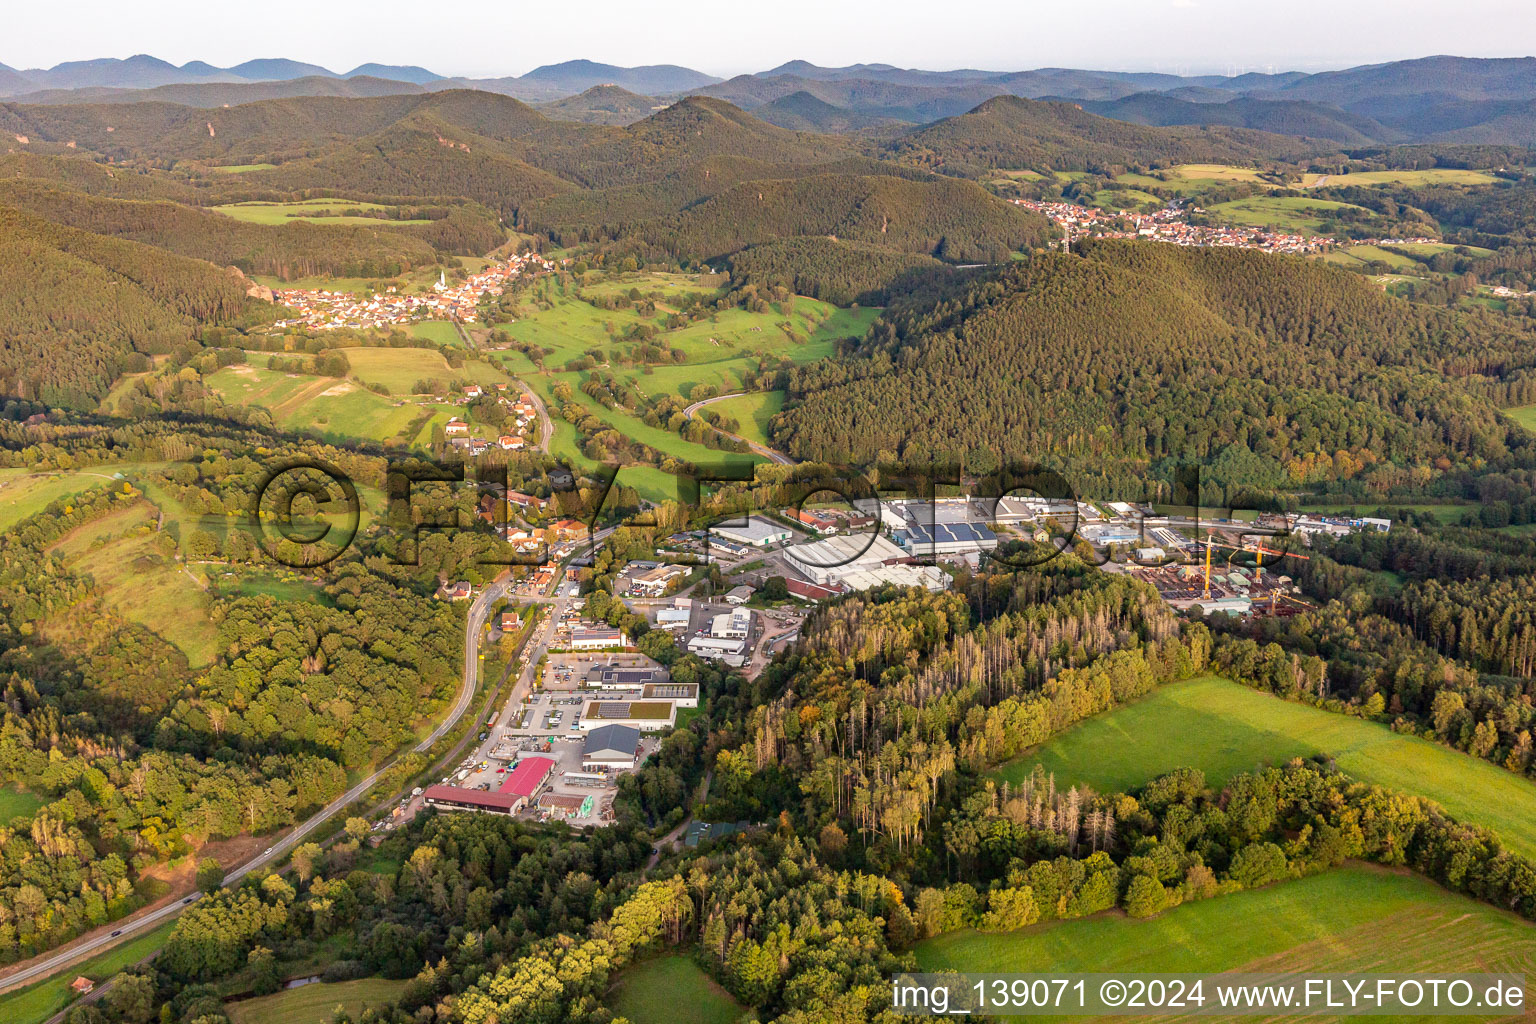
668,990
1525,415
439,332
312,1004
36,1003
24,494
1225,729
243,168
136,579
400,368
1360,255
1432,176
1355,919
332,407
314,211
1444,513
753,413
1124,199
17,803
1293,214
719,350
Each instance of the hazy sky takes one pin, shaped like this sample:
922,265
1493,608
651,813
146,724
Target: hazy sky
508,37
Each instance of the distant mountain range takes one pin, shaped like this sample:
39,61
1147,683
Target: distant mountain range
1431,99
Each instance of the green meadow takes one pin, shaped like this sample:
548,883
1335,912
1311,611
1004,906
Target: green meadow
1525,415
314,1003
399,369
24,494
669,990
139,580
16,802
1225,729
718,351
315,211
439,332
1293,214
1355,919
752,412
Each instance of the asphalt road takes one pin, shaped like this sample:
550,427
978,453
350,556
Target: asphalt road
770,454
126,929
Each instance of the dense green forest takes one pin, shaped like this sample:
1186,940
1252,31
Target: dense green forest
1014,133
1120,359
80,308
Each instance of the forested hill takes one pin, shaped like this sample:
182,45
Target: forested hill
1121,358
956,221
80,308
292,250
1016,133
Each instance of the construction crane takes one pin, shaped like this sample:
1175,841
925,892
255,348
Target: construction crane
1209,540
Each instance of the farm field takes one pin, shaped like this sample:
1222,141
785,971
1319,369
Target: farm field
672,989
1225,729
1352,919
126,557
17,803
1431,176
752,412
1190,178
40,1001
398,369
313,1003
1124,199
1360,255
243,168
332,407
317,211
1293,214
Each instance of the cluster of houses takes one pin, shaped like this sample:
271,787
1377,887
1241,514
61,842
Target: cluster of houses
1171,224
521,411
322,310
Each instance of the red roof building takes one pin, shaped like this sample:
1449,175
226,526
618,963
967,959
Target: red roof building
526,779
454,798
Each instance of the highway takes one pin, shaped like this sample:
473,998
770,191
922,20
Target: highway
770,454
128,928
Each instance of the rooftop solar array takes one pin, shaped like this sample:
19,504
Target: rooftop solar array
951,533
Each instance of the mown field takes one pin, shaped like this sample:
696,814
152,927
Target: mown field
752,412
138,578
439,332
318,211
399,369
313,1004
1225,729
1354,919
24,493
40,1001
1292,214
333,407
669,990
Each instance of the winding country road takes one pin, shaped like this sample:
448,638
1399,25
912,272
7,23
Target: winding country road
129,927
771,454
